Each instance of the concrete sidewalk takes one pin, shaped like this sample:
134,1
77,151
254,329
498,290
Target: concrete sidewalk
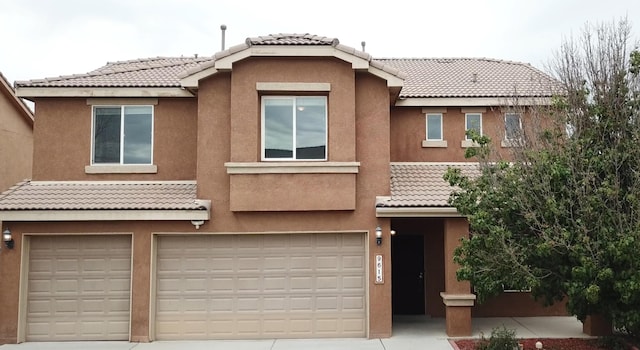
409,332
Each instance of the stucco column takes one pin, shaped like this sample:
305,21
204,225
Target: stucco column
597,326
10,260
380,319
457,295
140,286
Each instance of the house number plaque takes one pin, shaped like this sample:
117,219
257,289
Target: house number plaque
379,269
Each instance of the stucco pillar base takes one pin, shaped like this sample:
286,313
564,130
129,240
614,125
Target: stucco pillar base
597,326
139,339
458,313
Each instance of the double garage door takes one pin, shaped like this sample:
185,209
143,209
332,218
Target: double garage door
207,287
260,286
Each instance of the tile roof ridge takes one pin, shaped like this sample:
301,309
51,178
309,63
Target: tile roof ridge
261,39
157,58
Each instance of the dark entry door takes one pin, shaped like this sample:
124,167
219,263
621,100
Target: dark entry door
407,267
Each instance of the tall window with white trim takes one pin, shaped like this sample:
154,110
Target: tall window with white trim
434,127
122,135
473,121
513,126
294,128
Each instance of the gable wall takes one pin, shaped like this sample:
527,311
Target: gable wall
16,144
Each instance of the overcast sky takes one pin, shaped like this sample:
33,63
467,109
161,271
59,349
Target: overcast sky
45,38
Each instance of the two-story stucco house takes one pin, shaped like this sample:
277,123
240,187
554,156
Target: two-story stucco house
16,137
252,194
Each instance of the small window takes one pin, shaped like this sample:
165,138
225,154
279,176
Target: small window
473,121
294,128
513,126
122,135
511,289
434,127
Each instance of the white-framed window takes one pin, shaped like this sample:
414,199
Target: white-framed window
294,128
122,135
510,289
473,121
512,126
434,127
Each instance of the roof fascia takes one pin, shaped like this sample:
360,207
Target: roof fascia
226,63
471,101
191,81
104,215
31,92
417,212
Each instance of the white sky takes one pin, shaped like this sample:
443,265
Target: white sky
45,38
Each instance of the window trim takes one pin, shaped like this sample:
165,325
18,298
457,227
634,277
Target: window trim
92,165
441,138
466,124
506,138
294,98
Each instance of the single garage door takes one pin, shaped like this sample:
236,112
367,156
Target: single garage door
260,286
79,288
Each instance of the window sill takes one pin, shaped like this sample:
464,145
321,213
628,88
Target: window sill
428,143
121,169
510,143
468,144
292,168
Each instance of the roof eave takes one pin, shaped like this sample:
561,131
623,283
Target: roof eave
472,101
417,212
90,91
105,215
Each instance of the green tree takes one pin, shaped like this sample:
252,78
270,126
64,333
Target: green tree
561,215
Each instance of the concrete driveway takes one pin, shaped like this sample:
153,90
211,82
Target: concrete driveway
411,332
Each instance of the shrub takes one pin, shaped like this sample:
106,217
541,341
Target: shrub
501,339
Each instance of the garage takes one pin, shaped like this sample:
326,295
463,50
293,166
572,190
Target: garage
79,288
250,286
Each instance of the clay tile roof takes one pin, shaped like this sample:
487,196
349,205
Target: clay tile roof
148,72
70,195
422,184
470,77
292,39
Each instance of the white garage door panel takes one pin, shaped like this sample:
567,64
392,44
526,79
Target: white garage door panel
260,286
79,288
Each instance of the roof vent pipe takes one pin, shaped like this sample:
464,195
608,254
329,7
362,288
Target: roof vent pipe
474,77
223,28
364,43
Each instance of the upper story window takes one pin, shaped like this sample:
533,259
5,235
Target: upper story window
513,126
434,127
122,135
473,121
294,128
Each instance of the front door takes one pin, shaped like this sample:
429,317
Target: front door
407,267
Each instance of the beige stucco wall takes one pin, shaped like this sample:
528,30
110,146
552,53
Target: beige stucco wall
358,131
408,130
16,143
62,141
195,137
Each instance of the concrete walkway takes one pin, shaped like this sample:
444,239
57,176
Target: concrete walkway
409,332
